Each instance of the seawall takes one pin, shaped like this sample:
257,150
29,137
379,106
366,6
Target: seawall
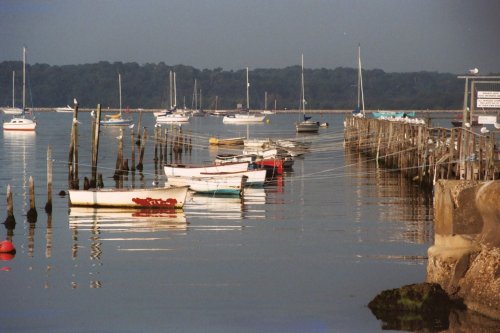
465,257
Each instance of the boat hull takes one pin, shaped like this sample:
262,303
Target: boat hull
243,119
254,177
20,124
226,142
13,111
228,185
194,170
171,198
307,126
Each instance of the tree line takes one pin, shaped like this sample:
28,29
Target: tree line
147,86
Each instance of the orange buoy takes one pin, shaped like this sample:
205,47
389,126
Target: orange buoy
7,247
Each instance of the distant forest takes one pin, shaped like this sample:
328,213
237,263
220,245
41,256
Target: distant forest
147,86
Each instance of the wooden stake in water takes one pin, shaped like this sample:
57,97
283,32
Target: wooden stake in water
119,158
132,167
143,144
10,208
48,205
32,214
73,151
95,146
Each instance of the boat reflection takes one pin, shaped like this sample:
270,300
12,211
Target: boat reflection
131,220
227,207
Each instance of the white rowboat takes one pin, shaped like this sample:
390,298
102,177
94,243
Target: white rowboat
196,170
228,185
168,197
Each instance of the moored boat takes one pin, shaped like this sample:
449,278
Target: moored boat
20,124
240,118
306,125
227,185
168,197
393,114
66,108
196,170
226,142
253,177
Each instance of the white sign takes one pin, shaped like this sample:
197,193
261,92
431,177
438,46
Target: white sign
487,120
488,103
488,94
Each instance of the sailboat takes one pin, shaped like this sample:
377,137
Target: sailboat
116,119
266,111
306,125
171,115
359,111
13,109
244,118
21,123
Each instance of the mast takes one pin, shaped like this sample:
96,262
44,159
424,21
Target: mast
248,100
361,97
170,88
303,98
120,90
13,94
200,102
265,100
195,95
24,78
175,92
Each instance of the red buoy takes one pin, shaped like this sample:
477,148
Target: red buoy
6,247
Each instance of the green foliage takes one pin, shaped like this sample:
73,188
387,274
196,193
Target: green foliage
146,86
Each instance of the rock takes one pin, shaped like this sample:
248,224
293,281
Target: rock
414,307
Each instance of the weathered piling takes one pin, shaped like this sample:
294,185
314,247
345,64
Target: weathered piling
32,213
423,153
119,158
132,146
95,146
138,142
10,208
73,152
48,205
140,166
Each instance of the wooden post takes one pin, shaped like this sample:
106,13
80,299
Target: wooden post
32,214
141,155
119,158
132,167
10,208
48,205
138,142
156,146
73,152
95,146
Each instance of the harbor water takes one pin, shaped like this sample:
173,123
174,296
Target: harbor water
304,253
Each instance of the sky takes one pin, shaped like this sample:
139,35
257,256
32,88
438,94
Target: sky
447,36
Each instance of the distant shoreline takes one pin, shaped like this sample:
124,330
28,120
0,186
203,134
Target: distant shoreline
277,112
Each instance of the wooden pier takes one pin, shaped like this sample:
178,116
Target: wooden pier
423,153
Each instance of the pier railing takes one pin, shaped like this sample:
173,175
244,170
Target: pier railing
424,153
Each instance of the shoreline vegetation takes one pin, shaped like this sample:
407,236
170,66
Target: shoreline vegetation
291,111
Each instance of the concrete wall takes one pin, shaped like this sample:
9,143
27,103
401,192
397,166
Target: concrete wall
465,257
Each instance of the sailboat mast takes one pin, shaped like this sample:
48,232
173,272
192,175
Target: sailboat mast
170,88
360,82
200,100
248,97
120,90
175,92
265,100
303,98
24,78
13,87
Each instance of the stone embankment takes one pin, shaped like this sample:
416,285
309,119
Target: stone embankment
465,257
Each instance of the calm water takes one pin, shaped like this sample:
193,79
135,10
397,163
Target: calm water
305,253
